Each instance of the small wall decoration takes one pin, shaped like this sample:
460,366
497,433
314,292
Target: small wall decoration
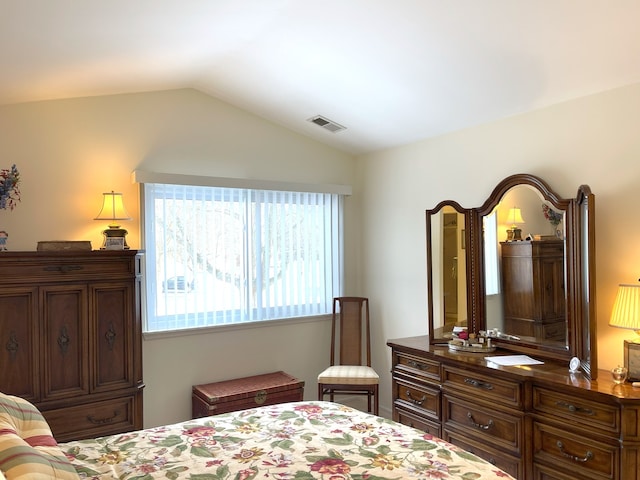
9,196
554,218
9,188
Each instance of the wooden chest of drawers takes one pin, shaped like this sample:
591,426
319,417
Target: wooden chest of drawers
536,423
242,393
71,336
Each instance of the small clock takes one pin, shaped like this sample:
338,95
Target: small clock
574,364
632,360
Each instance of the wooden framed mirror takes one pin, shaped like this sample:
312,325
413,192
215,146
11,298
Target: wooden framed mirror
447,227
529,270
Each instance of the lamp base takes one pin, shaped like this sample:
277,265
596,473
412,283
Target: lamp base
514,234
115,238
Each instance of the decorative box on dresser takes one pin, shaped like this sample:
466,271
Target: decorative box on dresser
538,422
71,340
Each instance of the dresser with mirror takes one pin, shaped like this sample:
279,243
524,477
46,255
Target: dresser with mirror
518,270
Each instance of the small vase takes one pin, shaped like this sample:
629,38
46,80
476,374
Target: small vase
556,228
4,236
619,374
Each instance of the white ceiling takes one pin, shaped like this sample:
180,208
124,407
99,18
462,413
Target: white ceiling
391,71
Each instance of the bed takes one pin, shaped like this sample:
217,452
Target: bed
299,440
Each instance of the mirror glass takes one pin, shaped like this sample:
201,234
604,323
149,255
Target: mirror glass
447,267
524,267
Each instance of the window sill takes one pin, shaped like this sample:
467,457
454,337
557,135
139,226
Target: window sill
233,326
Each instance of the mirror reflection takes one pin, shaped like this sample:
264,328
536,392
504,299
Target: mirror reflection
524,248
446,228
521,264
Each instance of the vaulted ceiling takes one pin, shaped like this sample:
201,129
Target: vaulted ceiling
390,71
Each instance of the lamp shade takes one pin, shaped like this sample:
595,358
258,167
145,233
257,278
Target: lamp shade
112,208
626,308
515,216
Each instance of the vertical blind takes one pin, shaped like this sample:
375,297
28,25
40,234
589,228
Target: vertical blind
218,255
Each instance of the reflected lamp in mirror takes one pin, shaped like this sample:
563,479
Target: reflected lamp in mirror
626,314
113,211
514,233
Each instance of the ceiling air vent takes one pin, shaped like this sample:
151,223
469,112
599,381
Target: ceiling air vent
327,124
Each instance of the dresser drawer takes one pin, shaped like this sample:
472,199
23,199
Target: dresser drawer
92,419
484,387
65,266
418,366
419,397
576,411
576,455
544,472
415,420
510,464
490,426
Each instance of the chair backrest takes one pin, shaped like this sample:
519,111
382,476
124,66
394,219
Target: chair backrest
350,338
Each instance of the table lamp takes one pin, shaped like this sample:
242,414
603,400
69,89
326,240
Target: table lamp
113,210
514,233
626,314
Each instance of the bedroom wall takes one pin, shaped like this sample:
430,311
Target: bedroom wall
592,140
70,151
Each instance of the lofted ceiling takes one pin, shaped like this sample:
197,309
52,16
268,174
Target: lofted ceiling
390,71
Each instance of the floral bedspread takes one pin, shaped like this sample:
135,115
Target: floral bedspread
297,441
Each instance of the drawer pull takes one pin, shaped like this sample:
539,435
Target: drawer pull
574,409
478,384
102,421
62,268
110,336
415,401
12,345
479,426
575,458
419,366
64,340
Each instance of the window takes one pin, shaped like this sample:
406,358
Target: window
219,255
491,269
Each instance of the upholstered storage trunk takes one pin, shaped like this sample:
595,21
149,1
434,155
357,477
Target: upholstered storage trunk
242,393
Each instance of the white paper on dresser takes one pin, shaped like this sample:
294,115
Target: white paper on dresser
513,360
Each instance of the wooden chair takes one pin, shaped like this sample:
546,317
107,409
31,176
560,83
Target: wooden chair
350,371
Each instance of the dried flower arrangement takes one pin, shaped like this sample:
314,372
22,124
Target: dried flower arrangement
554,217
9,188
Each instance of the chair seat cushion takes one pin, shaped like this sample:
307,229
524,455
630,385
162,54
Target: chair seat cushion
349,375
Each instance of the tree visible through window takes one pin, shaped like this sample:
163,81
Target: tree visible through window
227,255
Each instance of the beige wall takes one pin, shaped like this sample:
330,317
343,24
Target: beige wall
70,151
593,141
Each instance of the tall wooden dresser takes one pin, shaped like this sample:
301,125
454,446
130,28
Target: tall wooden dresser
538,422
533,288
71,340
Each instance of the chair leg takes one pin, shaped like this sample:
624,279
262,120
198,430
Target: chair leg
320,392
375,400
